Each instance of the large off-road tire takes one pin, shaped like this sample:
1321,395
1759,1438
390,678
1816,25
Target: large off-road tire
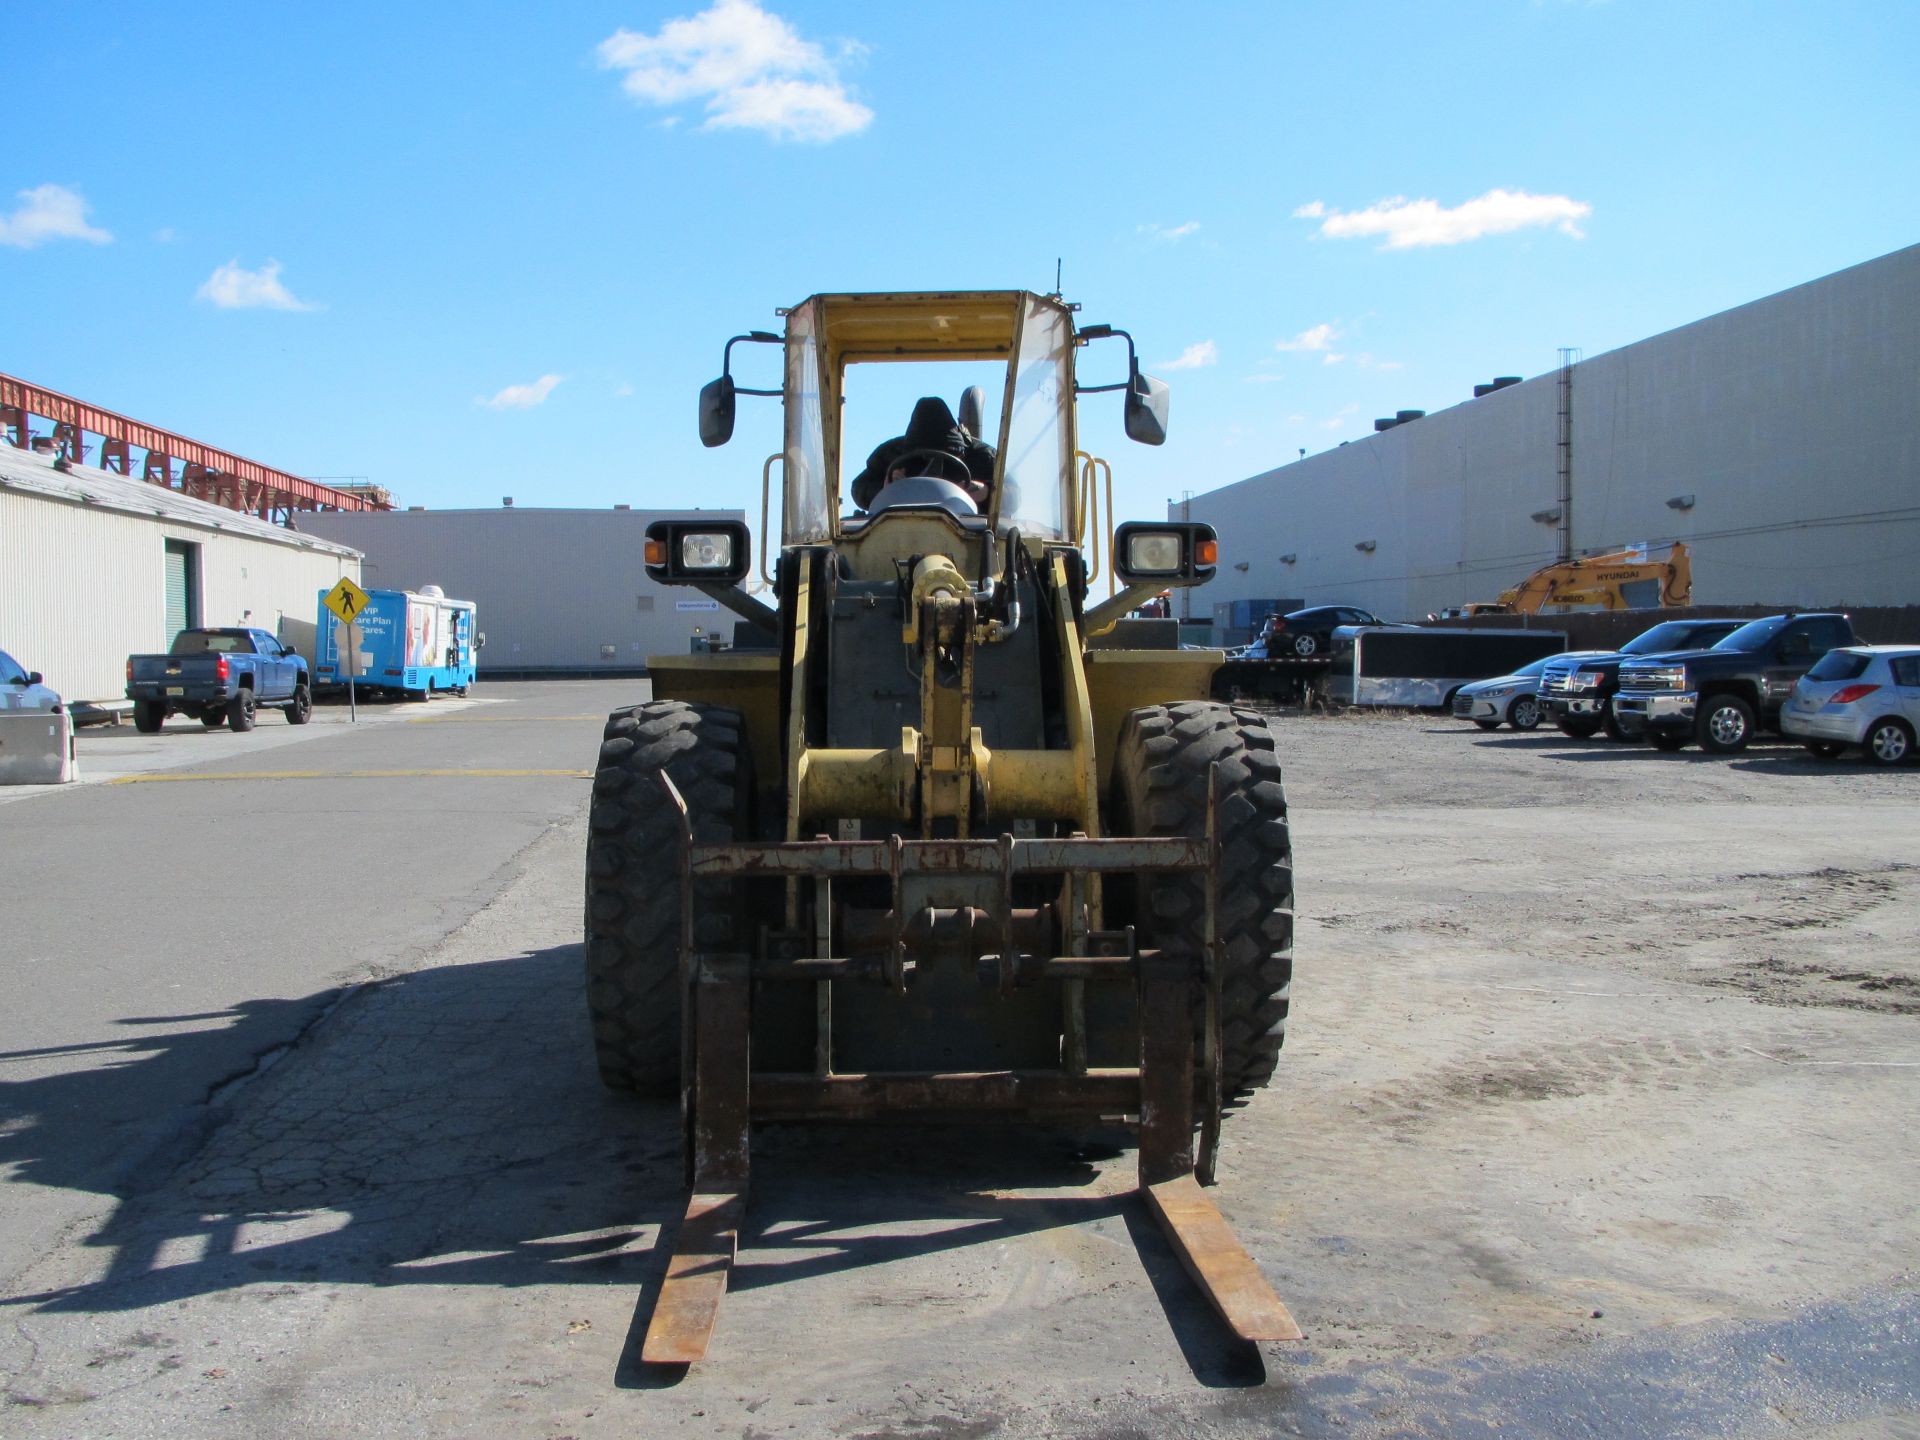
1160,788
149,716
633,877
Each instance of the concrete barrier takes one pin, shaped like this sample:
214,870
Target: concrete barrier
36,748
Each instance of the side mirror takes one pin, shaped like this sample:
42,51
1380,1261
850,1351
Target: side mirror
480,641
716,412
1146,409
34,677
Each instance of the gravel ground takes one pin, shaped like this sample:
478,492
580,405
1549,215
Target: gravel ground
1594,1120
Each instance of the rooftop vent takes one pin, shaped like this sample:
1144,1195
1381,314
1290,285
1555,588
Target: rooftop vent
506,502
1402,417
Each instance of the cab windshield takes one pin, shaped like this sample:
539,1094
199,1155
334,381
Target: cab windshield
1754,636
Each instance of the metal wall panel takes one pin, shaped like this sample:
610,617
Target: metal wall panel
1788,422
558,590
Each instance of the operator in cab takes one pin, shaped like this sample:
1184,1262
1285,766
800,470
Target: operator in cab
934,444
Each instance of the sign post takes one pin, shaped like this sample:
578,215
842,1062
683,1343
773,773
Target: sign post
347,600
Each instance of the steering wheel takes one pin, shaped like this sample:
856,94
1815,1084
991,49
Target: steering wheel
906,462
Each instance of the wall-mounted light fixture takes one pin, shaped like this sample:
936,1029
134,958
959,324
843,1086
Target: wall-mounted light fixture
1288,558
1680,502
1549,516
1366,547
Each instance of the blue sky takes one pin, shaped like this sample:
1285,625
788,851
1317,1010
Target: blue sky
483,249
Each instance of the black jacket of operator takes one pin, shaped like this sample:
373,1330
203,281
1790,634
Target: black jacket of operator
931,427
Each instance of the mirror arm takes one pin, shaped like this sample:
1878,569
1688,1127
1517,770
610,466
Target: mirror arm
757,337
756,612
1101,332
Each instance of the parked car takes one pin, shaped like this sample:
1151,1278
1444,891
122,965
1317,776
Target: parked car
219,677
24,689
1576,691
1865,695
1721,696
1512,699
1306,633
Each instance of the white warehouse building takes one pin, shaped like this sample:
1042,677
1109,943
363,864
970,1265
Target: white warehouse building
1779,440
556,591
95,566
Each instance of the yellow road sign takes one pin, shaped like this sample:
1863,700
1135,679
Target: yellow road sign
346,600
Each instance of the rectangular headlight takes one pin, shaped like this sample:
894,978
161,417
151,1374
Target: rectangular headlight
706,550
1153,553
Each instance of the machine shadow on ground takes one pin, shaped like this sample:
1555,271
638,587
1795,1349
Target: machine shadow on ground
446,1127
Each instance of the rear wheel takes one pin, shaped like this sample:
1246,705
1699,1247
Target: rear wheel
1160,789
1889,742
633,878
1524,713
1725,724
149,716
300,708
240,711
1306,646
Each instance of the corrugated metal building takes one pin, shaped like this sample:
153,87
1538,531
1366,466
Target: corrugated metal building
1777,439
560,591
96,566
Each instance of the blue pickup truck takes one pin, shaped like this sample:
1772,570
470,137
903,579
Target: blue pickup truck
219,677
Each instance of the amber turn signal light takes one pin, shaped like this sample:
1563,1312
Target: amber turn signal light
656,552
1206,552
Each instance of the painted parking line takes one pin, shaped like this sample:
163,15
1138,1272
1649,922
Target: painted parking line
175,778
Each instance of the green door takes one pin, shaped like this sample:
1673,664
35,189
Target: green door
180,587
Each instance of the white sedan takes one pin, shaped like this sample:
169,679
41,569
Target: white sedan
1865,695
23,689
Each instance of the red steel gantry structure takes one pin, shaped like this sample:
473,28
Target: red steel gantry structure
204,472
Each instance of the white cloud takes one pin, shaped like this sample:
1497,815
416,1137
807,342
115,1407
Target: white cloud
623,389
233,287
523,397
49,212
1194,357
1340,417
1167,234
750,66
165,235
1264,377
1319,337
1410,224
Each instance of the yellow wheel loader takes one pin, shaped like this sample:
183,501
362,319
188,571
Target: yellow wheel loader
931,849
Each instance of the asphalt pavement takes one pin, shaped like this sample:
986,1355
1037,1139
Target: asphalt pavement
180,918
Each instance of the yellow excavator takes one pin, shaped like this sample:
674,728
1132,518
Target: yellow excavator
1618,580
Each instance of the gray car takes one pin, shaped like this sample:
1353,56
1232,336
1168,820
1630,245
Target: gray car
23,689
1511,699
1865,695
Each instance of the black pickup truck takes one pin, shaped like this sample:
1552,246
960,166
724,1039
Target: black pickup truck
1577,693
219,677
1720,696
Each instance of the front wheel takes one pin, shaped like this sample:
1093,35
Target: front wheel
1889,742
1577,729
1725,724
1524,713
633,878
1160,771
300,708
149,716
240,711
